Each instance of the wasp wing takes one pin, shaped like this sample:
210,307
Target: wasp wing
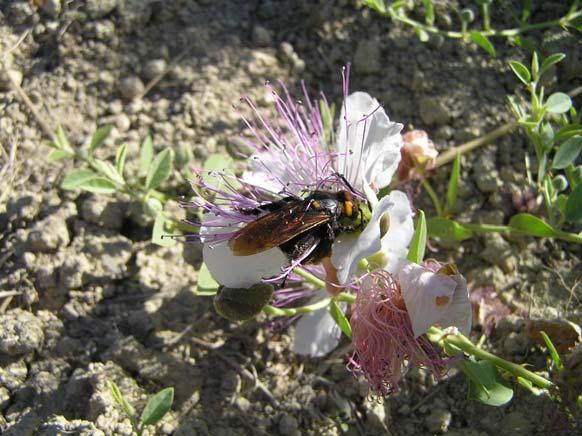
276,228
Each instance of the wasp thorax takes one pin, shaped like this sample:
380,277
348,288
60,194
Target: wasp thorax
239,304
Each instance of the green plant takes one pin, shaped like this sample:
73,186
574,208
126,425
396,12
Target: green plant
100,176
155,409
553,128
469,32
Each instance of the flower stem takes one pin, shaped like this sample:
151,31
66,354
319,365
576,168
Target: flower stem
431,192
310,278
292,311
468,347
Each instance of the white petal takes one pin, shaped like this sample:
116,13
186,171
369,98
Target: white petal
428,296
460,313
238,271
349,248
369,149
316,334
395,242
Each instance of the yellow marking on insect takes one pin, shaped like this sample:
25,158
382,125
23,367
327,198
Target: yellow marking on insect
316,204
349,208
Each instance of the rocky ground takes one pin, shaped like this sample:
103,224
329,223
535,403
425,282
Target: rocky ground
85,298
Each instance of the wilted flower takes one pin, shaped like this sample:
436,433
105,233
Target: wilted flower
418,152
391,316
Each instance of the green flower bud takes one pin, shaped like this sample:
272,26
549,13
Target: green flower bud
467,16
239,304
560,183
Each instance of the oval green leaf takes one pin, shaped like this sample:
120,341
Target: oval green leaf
551,60
483,42
418,243
573,209
75,179
55,155
108,170
558,103
157,407
160,236
532,225
340,318
159,169
120,159
99,137
485,383
127,408
146,155
207,286
98,185
567,152
520,71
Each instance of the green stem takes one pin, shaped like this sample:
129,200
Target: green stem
489,32
468,347
316,281
292,311
433,196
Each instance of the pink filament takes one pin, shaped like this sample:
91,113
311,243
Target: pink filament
384,344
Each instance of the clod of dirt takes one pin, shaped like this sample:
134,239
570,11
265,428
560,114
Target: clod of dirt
104,211
100,8
57,425
20,333
367,57
130,87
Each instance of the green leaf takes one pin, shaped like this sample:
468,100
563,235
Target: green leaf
453,184
98,185
207,286
558,103
108,170
532,225
61,139
483,42
99,137
535,66
485,383
377,5
120,159
152,207
160,236
429,12
146,155
568,131
447,229
418,243
567,153
55,155
116,393
75,179
551,60
160,169
157,407
216,162
547,137
340,319
520,71
553,352
573,210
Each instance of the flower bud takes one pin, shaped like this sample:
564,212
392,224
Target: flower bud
238,304
418,153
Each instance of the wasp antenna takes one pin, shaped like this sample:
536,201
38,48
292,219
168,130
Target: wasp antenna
341,176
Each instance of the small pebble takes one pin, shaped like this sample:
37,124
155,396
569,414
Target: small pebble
131,87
